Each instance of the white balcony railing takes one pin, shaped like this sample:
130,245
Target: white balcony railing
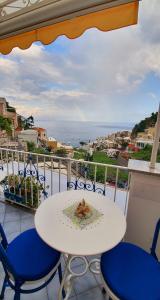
28,178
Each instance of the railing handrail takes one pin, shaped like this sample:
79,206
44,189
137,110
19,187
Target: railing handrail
65,159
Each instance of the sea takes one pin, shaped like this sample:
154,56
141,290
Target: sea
74,132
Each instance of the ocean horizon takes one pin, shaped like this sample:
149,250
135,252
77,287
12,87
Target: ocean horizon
73,132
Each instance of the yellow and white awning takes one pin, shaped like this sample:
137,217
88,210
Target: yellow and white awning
23,22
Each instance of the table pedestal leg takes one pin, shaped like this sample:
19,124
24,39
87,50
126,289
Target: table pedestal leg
69,275
64,281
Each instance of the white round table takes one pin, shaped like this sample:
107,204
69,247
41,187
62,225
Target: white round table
59,232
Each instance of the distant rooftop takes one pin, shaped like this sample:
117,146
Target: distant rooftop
51,139
28,131
39,128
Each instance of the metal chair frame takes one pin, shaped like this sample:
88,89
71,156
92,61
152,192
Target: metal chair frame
11,278
109,292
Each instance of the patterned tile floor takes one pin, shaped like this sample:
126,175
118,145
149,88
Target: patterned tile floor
16,220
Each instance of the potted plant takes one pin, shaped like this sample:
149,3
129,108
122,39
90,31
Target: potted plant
23,190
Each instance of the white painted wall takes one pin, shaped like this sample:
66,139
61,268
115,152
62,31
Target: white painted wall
28,136
143,205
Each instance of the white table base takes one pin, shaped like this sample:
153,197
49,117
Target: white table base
69,274
60,233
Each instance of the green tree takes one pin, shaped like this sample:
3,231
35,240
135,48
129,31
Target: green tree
82,143
144,124
145,154
61,152
41,150
26,123
31,146
6,124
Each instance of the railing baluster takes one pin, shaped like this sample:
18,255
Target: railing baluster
85,175
37,175
52,176
127,194
115,191
8,171
31,179
68,173
19,177
44,174
59,166
25,177
76,182
105,179
95,178
13,172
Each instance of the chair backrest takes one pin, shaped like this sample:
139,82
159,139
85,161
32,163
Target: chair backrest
155,240
3,256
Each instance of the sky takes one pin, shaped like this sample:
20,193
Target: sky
101,76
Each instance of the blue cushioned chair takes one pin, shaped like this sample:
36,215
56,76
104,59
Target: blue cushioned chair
130,273
27,259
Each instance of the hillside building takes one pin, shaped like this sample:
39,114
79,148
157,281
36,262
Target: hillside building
52,143
42,133
28,135
9,112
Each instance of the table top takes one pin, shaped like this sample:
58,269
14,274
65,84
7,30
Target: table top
59,232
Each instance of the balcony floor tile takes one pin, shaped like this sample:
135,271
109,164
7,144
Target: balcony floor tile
92,294
12,216
84,283
11,227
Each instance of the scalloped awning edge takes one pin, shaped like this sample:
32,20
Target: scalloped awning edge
104,20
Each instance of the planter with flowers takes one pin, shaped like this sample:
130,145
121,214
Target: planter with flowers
26,191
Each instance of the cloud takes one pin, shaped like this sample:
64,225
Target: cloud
99,76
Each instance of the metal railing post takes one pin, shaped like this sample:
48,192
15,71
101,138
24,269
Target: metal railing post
156,142
68,173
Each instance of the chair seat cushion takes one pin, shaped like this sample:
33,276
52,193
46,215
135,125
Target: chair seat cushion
131,273
30,257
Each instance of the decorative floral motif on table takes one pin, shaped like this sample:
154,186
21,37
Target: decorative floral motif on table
81,223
